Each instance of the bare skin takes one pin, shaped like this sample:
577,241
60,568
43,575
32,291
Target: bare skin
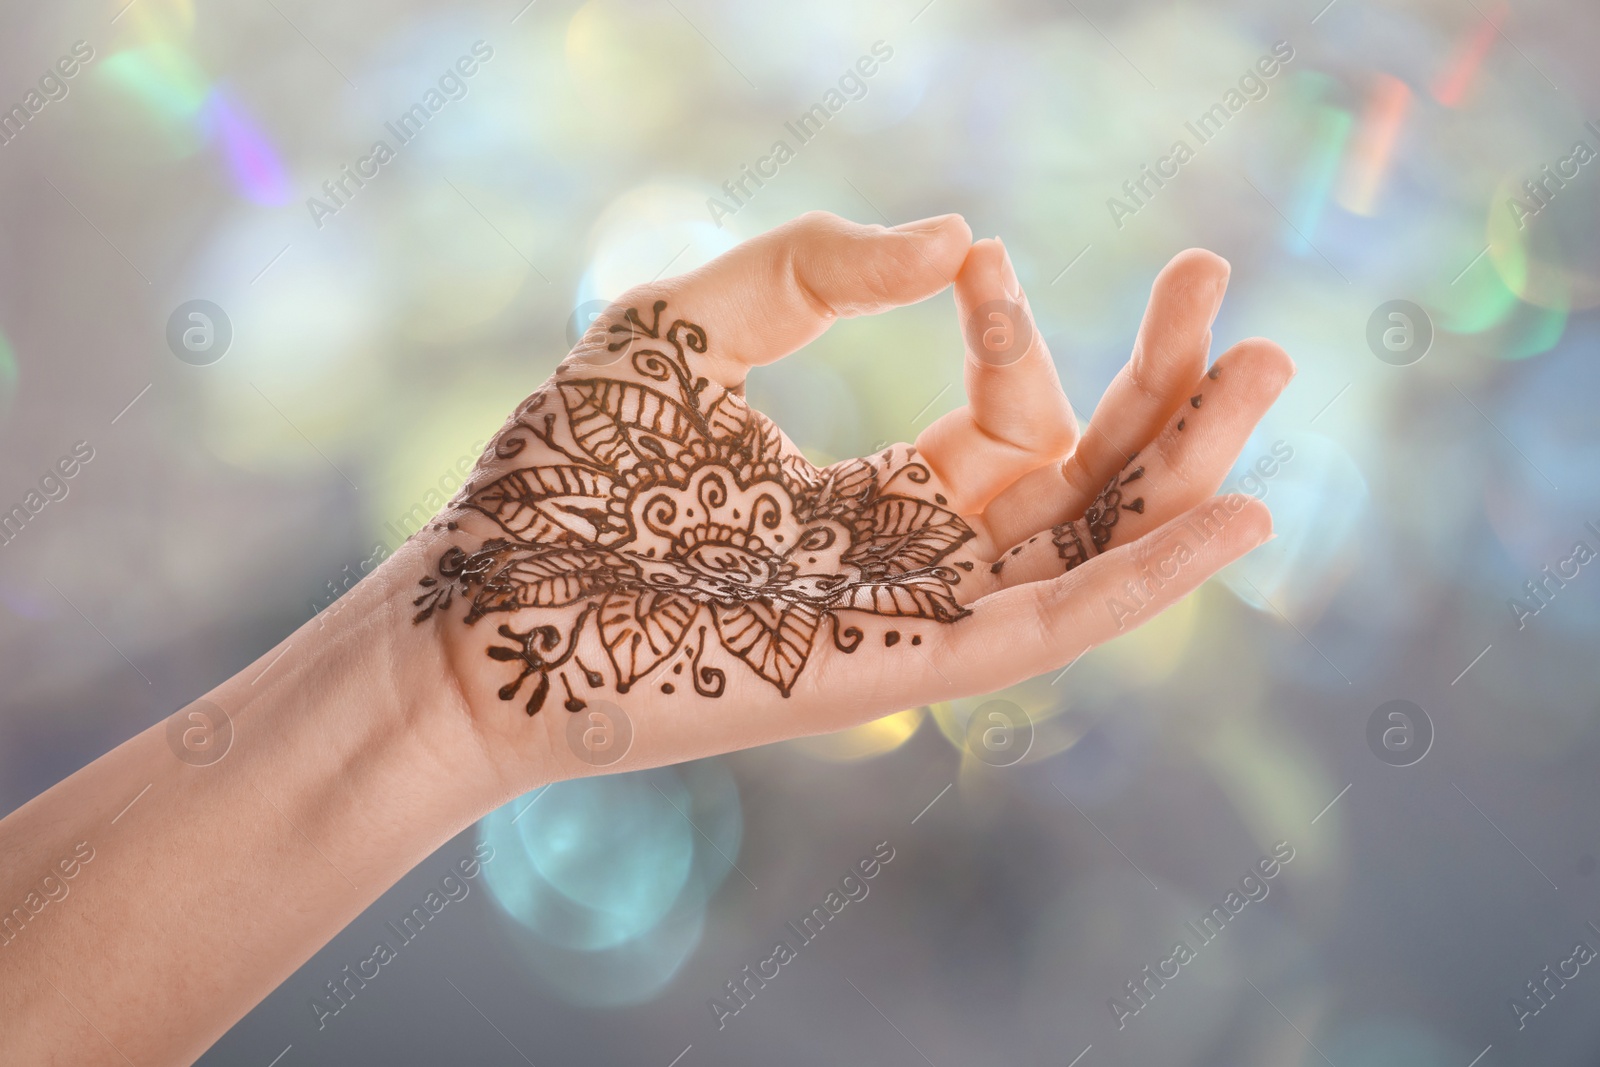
637,537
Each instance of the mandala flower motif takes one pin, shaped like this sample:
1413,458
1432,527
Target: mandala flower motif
666,510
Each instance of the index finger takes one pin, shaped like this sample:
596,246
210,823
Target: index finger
1017,418
780,290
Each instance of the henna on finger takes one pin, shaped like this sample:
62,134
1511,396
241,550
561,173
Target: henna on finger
1080,540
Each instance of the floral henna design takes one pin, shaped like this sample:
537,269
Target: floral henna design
676,514
1101,517
1098,522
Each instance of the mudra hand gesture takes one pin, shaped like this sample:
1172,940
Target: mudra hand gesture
638,536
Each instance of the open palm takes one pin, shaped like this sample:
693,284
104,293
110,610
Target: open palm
638,537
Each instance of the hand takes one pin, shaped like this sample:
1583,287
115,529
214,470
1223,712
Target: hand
637,535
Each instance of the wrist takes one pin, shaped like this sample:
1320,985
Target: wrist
432,683
387,764
524,734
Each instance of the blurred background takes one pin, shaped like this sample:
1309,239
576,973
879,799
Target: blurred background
1434,471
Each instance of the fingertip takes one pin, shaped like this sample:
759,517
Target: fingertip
1008,274
1265,359
1201,261
1199,270
1251,524
985,251
933,224
955,228
949,244
985,271
945,241
1184,301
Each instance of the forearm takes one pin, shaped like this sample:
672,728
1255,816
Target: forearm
636,533
344,771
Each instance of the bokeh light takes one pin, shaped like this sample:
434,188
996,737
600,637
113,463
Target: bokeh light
377,348
617,869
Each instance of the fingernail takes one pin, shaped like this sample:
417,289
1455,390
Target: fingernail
1008,274
927,225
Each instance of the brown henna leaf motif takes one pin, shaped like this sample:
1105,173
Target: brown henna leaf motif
774,642
667,509
640,629
550,578
543,504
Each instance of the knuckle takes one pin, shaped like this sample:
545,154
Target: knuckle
881,275
792,270
1144,550
1045,605
1058,437
818,221
1143,376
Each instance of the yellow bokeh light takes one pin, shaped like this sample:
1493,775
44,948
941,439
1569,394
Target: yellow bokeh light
1147,657
866,741
623,62
159,21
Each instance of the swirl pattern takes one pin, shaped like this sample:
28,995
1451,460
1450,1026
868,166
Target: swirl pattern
667,517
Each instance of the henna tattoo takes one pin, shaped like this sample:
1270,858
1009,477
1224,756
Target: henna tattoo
1069,545
1099,521
852,637
677,510
916,473
573,704
594,678
1101,518
709,681
531,649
